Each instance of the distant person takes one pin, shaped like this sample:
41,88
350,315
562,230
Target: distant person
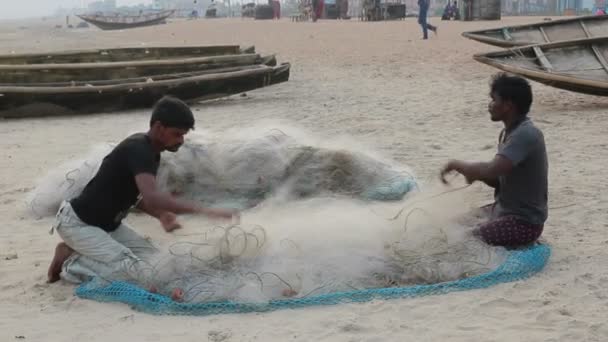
343,9
518,172
447,12
468,10
424,8
317,9
456,11
276,9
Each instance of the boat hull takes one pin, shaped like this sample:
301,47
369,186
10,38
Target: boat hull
111,23
21,102
577,65
543,32
82,72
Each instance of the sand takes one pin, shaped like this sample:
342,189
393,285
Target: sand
417,102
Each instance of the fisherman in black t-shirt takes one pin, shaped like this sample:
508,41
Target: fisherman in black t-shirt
91,224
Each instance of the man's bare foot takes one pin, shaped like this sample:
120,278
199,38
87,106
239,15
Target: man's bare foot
62,253
177,294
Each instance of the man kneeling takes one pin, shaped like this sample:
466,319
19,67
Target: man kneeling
91,224
518,172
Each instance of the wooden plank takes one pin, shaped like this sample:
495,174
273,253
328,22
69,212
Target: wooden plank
544,62
542,31
587,33
600,57
121,54
242,59
506,34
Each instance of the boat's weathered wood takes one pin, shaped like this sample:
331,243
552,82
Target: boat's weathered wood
249,49
576,65
153,78
39,73
542,32
120,22
506,34
542,58
249,58
600,57
18,102
584,27
120,54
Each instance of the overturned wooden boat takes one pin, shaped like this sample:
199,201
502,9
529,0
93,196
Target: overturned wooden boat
75,72
543,32
120,22
579,65
65,98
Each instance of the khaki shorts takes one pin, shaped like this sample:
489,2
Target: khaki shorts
109,255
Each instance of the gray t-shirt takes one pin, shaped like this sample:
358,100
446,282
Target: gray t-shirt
523,192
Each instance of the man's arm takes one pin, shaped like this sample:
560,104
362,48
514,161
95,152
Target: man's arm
488,172
157,202
510,154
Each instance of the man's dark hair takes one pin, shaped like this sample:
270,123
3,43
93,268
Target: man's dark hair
172,112
514,89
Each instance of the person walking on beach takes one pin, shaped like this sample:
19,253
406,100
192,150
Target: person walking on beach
91,225
422,20
518,172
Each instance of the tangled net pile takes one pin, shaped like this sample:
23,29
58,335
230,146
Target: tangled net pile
317,240
240,173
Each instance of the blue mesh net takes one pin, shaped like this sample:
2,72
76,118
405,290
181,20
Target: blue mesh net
391,190
520,264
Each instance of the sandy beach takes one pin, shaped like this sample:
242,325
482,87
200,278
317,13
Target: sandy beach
413,101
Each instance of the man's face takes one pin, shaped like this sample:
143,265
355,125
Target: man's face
498,108
173,138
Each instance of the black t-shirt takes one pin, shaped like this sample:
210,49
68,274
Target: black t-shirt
106,199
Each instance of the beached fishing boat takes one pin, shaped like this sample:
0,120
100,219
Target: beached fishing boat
123,54
93,71
543,32
65,98
578,65
121,22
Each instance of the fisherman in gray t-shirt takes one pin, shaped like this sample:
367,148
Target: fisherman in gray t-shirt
518,172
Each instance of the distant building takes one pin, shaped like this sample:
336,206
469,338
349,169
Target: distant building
102,6
551,7
183,8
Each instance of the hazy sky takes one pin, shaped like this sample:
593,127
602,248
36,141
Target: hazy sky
12,9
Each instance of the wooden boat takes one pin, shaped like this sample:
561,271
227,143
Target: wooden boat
123,54
120,22
47,99
75,72
543,32
577,65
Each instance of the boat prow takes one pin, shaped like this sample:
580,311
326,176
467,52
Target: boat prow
543,32
578,65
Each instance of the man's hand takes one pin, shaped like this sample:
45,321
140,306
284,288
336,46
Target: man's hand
498,166
446,169
169,221
458,166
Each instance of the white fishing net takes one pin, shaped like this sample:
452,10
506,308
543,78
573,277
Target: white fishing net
310,227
